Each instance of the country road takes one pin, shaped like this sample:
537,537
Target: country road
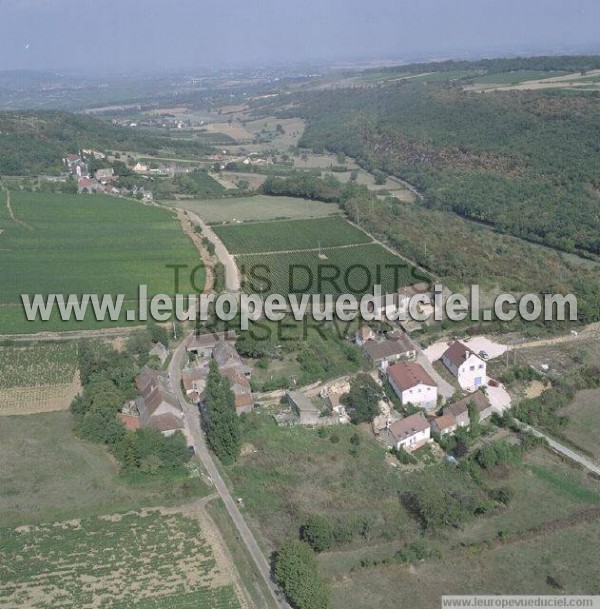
193,423
566,451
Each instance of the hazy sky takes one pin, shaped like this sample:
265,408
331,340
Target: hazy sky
149,34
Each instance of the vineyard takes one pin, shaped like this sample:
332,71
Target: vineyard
107,245
148,560
290,235
358,270
38,379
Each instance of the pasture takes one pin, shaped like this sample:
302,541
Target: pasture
150,560
259,208
49,474
63,244
294,235
583,428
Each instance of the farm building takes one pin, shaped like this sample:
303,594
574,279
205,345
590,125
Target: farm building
203,344
158,406
363,334
244,402
194,381
466,366
413,384
228,358
303,407
394,348
460,410
444,424
409,433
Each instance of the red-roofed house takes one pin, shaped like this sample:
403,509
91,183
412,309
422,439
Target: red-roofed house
413,384
466,366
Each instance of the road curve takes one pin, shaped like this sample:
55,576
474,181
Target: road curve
193,422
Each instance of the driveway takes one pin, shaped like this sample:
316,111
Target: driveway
476,344
498,396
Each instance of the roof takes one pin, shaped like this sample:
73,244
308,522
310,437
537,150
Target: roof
243,399
301,401
405,428
462,406
208,341
166,422
458,353
379,350
364,333
446,421
409,374
131,421
191,375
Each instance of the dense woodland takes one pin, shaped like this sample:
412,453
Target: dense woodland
36,142
525,162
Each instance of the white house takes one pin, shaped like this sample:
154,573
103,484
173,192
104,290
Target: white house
412,384
410,433
466,366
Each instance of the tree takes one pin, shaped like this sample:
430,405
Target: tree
318,533
296,571
474,425
362,401
223,425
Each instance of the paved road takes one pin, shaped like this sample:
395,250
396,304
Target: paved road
564,450
193,422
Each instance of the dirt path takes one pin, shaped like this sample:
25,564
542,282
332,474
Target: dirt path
232,275
590,331
72,334
12,215
188,229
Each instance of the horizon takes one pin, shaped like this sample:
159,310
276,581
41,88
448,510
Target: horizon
160,37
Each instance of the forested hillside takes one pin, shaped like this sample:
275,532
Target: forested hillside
526,162
36,142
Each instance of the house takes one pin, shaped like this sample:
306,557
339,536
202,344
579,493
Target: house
396,304
194,381
88,185
466,366
413,384
140,168
131,421
244,402
157,405
444,424
303,407
460,409
409,433
228,358
395,347
159,351
72,159
203,344
104,174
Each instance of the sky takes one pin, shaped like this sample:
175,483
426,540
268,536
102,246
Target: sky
121,35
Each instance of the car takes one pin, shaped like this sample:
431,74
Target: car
483,354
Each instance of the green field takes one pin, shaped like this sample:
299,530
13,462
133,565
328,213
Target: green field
584,427
511,78
85,244
49,474
146,560
257,208
290,236
358,270
42,364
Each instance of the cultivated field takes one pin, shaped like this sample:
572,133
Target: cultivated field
354,270
584,425
108,246
259,208
38,379
290,236
150,560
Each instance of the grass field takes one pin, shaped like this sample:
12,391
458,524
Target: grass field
85,244
354,270
509,78
289,236
584,427
49,474
259,208
148,560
